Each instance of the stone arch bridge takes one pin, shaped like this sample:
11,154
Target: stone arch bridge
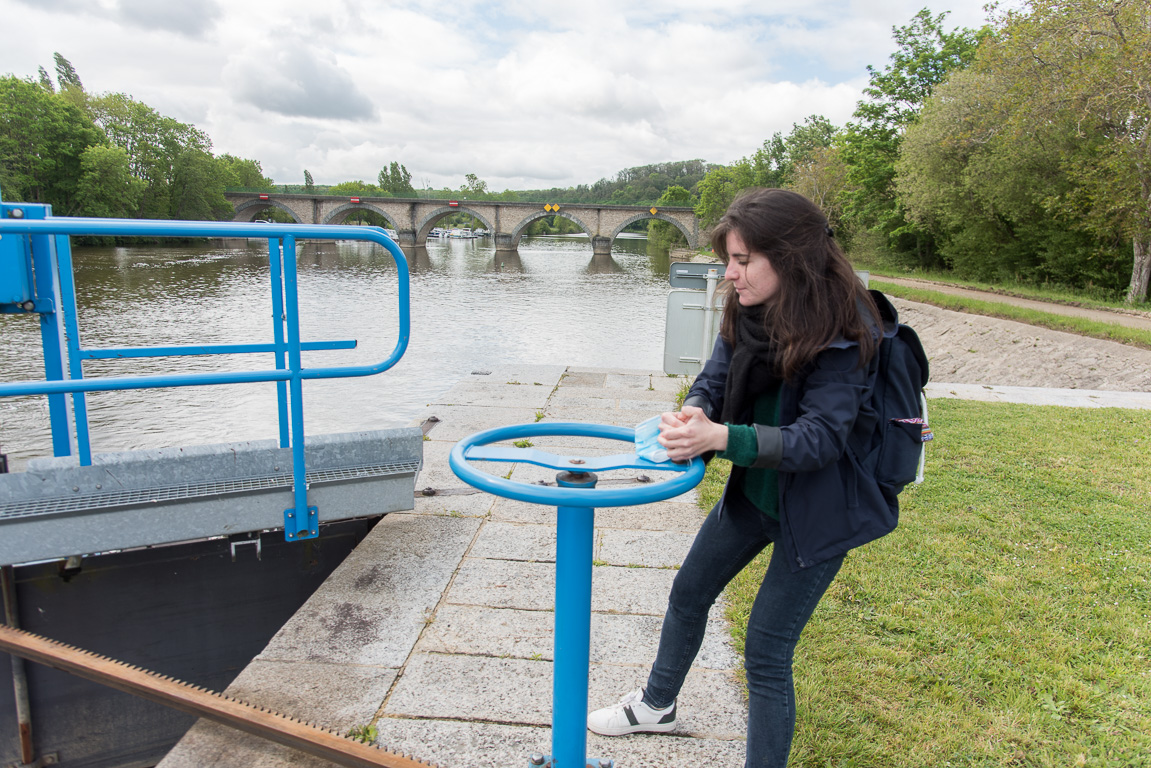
414,218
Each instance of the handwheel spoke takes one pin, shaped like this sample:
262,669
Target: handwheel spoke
562,463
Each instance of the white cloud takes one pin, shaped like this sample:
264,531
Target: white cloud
523,94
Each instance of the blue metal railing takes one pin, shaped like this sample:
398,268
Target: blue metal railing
36,277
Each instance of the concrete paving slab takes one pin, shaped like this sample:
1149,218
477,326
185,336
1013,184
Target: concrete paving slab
339,696
460,687
481,745
467,504
623,418
584,378
661,516
548,375
458,421
211,745
565,394
1071,398
373,607
617,639
509,394
516,541
531,586
651,549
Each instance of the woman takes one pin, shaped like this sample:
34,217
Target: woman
786,387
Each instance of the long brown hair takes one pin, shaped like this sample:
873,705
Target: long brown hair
819,296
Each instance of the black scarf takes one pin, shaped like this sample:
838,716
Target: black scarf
753,366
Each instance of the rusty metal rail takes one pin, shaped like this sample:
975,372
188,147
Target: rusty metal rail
327,744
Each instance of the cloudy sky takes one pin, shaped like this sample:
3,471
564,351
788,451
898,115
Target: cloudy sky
522,94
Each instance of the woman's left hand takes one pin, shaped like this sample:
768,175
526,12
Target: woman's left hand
689,433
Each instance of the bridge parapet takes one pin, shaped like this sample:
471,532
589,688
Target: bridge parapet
414,218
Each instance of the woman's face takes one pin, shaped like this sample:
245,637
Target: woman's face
750,272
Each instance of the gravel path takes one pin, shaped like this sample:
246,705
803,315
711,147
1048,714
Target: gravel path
972,349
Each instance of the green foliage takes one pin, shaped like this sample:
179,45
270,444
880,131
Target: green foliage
925,55
719,188
366,734
310,185
662,234
197,188
107,187
1085,63
1005,622
395,179
65,73
241,172
475,186
42,138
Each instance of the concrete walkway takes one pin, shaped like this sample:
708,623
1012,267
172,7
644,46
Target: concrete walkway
437,629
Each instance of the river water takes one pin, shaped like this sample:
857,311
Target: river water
554,303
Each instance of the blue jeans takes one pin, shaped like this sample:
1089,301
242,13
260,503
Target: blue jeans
733,534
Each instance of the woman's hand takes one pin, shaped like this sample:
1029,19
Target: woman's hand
689,432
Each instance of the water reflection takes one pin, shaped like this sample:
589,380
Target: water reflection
551,302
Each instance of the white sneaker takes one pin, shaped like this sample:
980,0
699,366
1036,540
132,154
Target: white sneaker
631,715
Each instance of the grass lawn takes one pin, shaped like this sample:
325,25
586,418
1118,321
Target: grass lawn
1007,621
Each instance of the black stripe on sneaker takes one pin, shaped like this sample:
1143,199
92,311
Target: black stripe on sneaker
630,717
669,717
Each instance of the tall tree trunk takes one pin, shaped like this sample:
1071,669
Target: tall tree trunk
1141,272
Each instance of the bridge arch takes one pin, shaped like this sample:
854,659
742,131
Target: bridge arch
247,211
428,223
660,216
338,215
518,234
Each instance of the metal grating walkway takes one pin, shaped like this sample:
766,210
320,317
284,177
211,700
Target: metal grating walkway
124,498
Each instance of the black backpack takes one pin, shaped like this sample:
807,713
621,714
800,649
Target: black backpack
896,452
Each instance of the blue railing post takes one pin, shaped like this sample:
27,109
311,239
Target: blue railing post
67,296
274,269
52,335
300,521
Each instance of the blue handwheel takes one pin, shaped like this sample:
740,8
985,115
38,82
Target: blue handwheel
575,499
477,448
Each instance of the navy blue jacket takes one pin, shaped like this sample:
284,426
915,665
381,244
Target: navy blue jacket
827,503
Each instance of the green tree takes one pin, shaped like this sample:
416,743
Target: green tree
1088,60
985,193
241,172
107,187
153,143
309,185
42,138
395,179
197,189
661,233
46,81
357,188
719,188
924,57
475,186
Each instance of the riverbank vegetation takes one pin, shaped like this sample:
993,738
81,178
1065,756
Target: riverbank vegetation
1005,622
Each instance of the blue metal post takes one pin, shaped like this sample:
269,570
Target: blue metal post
67,310
575,532
278,336
52,338
300,522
